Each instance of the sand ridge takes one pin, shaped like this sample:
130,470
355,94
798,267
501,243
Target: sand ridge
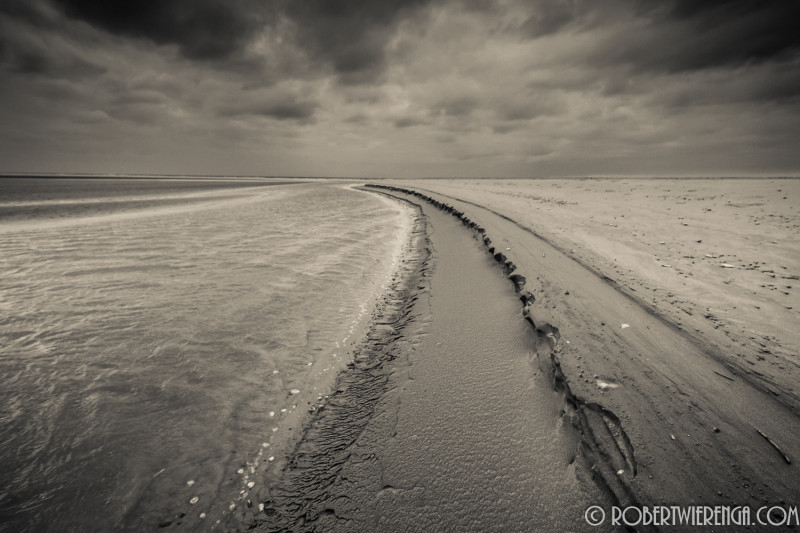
698,434
718,258
660,413
444,422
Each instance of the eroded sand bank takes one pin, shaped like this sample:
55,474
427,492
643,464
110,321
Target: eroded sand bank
445,421
697,424
718,257
628,395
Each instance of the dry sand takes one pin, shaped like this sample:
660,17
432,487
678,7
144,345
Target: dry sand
679,367
719,257
660,368
444,422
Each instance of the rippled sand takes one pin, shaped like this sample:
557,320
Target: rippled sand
671,310
719,256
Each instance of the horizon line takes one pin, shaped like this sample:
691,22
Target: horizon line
357,178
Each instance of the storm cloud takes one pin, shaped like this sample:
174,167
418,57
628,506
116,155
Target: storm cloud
402,87
203,29
705,35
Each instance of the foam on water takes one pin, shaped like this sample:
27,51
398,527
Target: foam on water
149,357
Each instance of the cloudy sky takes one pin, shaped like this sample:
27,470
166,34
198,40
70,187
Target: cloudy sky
400,88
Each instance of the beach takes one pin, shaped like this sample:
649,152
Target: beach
428,355
457,428
163,339
717,257
669,371
407,266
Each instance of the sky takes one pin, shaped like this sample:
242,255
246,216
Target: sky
401,89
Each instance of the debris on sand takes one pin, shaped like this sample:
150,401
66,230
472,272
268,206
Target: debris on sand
772,442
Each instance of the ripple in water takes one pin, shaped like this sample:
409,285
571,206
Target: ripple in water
157,363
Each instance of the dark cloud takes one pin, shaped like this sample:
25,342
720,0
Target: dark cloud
279,105
58,90
455,106
292,110
780,87
694,35
145,114
734,32
550,17
772,84
31,12
364,95
481,6
35,62
502,129
32,62
349,35
358,118
535,106
407,122
28,53
202,29
591,80
692,8
135,97
677,36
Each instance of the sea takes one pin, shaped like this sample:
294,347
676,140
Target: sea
162,341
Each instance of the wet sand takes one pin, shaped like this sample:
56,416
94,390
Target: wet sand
54,200
718,257
668,415
536,363
467,438
445,422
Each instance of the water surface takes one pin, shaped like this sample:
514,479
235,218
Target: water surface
155,352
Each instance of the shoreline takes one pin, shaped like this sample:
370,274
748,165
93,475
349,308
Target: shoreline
605,446
714,262
355,466
293,497
678,434
214,332
252,484
656,419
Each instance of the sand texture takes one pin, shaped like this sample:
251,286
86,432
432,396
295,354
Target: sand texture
557,344
672,410
445,421
720,258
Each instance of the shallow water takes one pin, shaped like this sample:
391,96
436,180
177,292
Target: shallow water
149,352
